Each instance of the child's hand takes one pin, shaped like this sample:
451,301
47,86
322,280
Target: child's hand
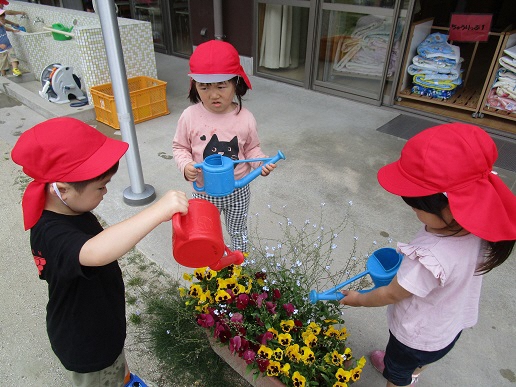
173,202
268,168
191,172
350,298
2,46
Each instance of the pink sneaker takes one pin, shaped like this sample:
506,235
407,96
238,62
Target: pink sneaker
376,358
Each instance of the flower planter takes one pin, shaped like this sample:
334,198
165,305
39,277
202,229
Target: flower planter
239,365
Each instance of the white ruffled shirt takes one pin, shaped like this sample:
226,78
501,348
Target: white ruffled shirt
439,272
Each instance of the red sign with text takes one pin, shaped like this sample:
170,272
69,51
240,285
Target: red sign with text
470,27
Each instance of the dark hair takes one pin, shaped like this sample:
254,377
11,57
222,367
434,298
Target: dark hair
240,90
496,253
79,186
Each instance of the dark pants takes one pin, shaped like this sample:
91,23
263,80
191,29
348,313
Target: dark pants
401,361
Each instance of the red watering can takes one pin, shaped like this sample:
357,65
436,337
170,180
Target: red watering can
197,239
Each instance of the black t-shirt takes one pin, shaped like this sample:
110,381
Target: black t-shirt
86,307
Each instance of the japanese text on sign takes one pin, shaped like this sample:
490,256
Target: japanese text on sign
470,27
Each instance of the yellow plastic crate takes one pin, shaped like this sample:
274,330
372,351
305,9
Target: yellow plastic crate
148,100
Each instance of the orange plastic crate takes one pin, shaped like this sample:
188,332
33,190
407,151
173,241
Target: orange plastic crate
148,100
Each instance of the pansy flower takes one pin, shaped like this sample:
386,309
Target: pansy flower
298,379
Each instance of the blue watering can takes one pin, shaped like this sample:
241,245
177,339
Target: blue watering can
382,265
219,176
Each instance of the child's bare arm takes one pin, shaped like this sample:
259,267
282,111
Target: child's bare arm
115,241
382,296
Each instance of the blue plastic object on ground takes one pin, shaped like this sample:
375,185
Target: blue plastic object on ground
135,381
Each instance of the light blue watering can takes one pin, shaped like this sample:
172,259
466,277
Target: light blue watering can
219,176
382,265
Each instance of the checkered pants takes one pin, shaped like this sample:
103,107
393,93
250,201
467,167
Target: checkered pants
235,207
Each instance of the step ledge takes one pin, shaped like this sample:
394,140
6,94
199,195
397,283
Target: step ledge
43,107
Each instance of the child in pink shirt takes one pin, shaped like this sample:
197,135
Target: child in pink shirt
216,124
469,227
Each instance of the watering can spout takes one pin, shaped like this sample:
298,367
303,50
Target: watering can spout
258,171
231,258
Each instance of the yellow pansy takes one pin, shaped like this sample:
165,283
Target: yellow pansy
307,355
238,289
343,376
285,339
273,369
278,354
195,290
221,283
222,295
347,354
265,352
236,271
332,332
292,352
298,379
336,358
343,333
187,277
274,332
355,373
200,273
285,370
315,328
309,339
287,325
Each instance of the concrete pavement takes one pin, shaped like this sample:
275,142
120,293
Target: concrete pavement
333,152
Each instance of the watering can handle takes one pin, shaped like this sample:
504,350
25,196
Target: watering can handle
196,187
176,225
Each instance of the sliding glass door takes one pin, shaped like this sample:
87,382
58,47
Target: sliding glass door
343,47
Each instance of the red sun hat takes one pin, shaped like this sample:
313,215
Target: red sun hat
4,2
216,61
456,159
61,150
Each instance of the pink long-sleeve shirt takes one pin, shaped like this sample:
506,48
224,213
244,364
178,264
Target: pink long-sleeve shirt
201,133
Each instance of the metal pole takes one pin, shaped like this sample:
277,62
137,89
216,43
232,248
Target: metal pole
217,20
138,193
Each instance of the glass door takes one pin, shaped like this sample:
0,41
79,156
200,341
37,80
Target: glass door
150,10
349,48
180,17
358,47
284,35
